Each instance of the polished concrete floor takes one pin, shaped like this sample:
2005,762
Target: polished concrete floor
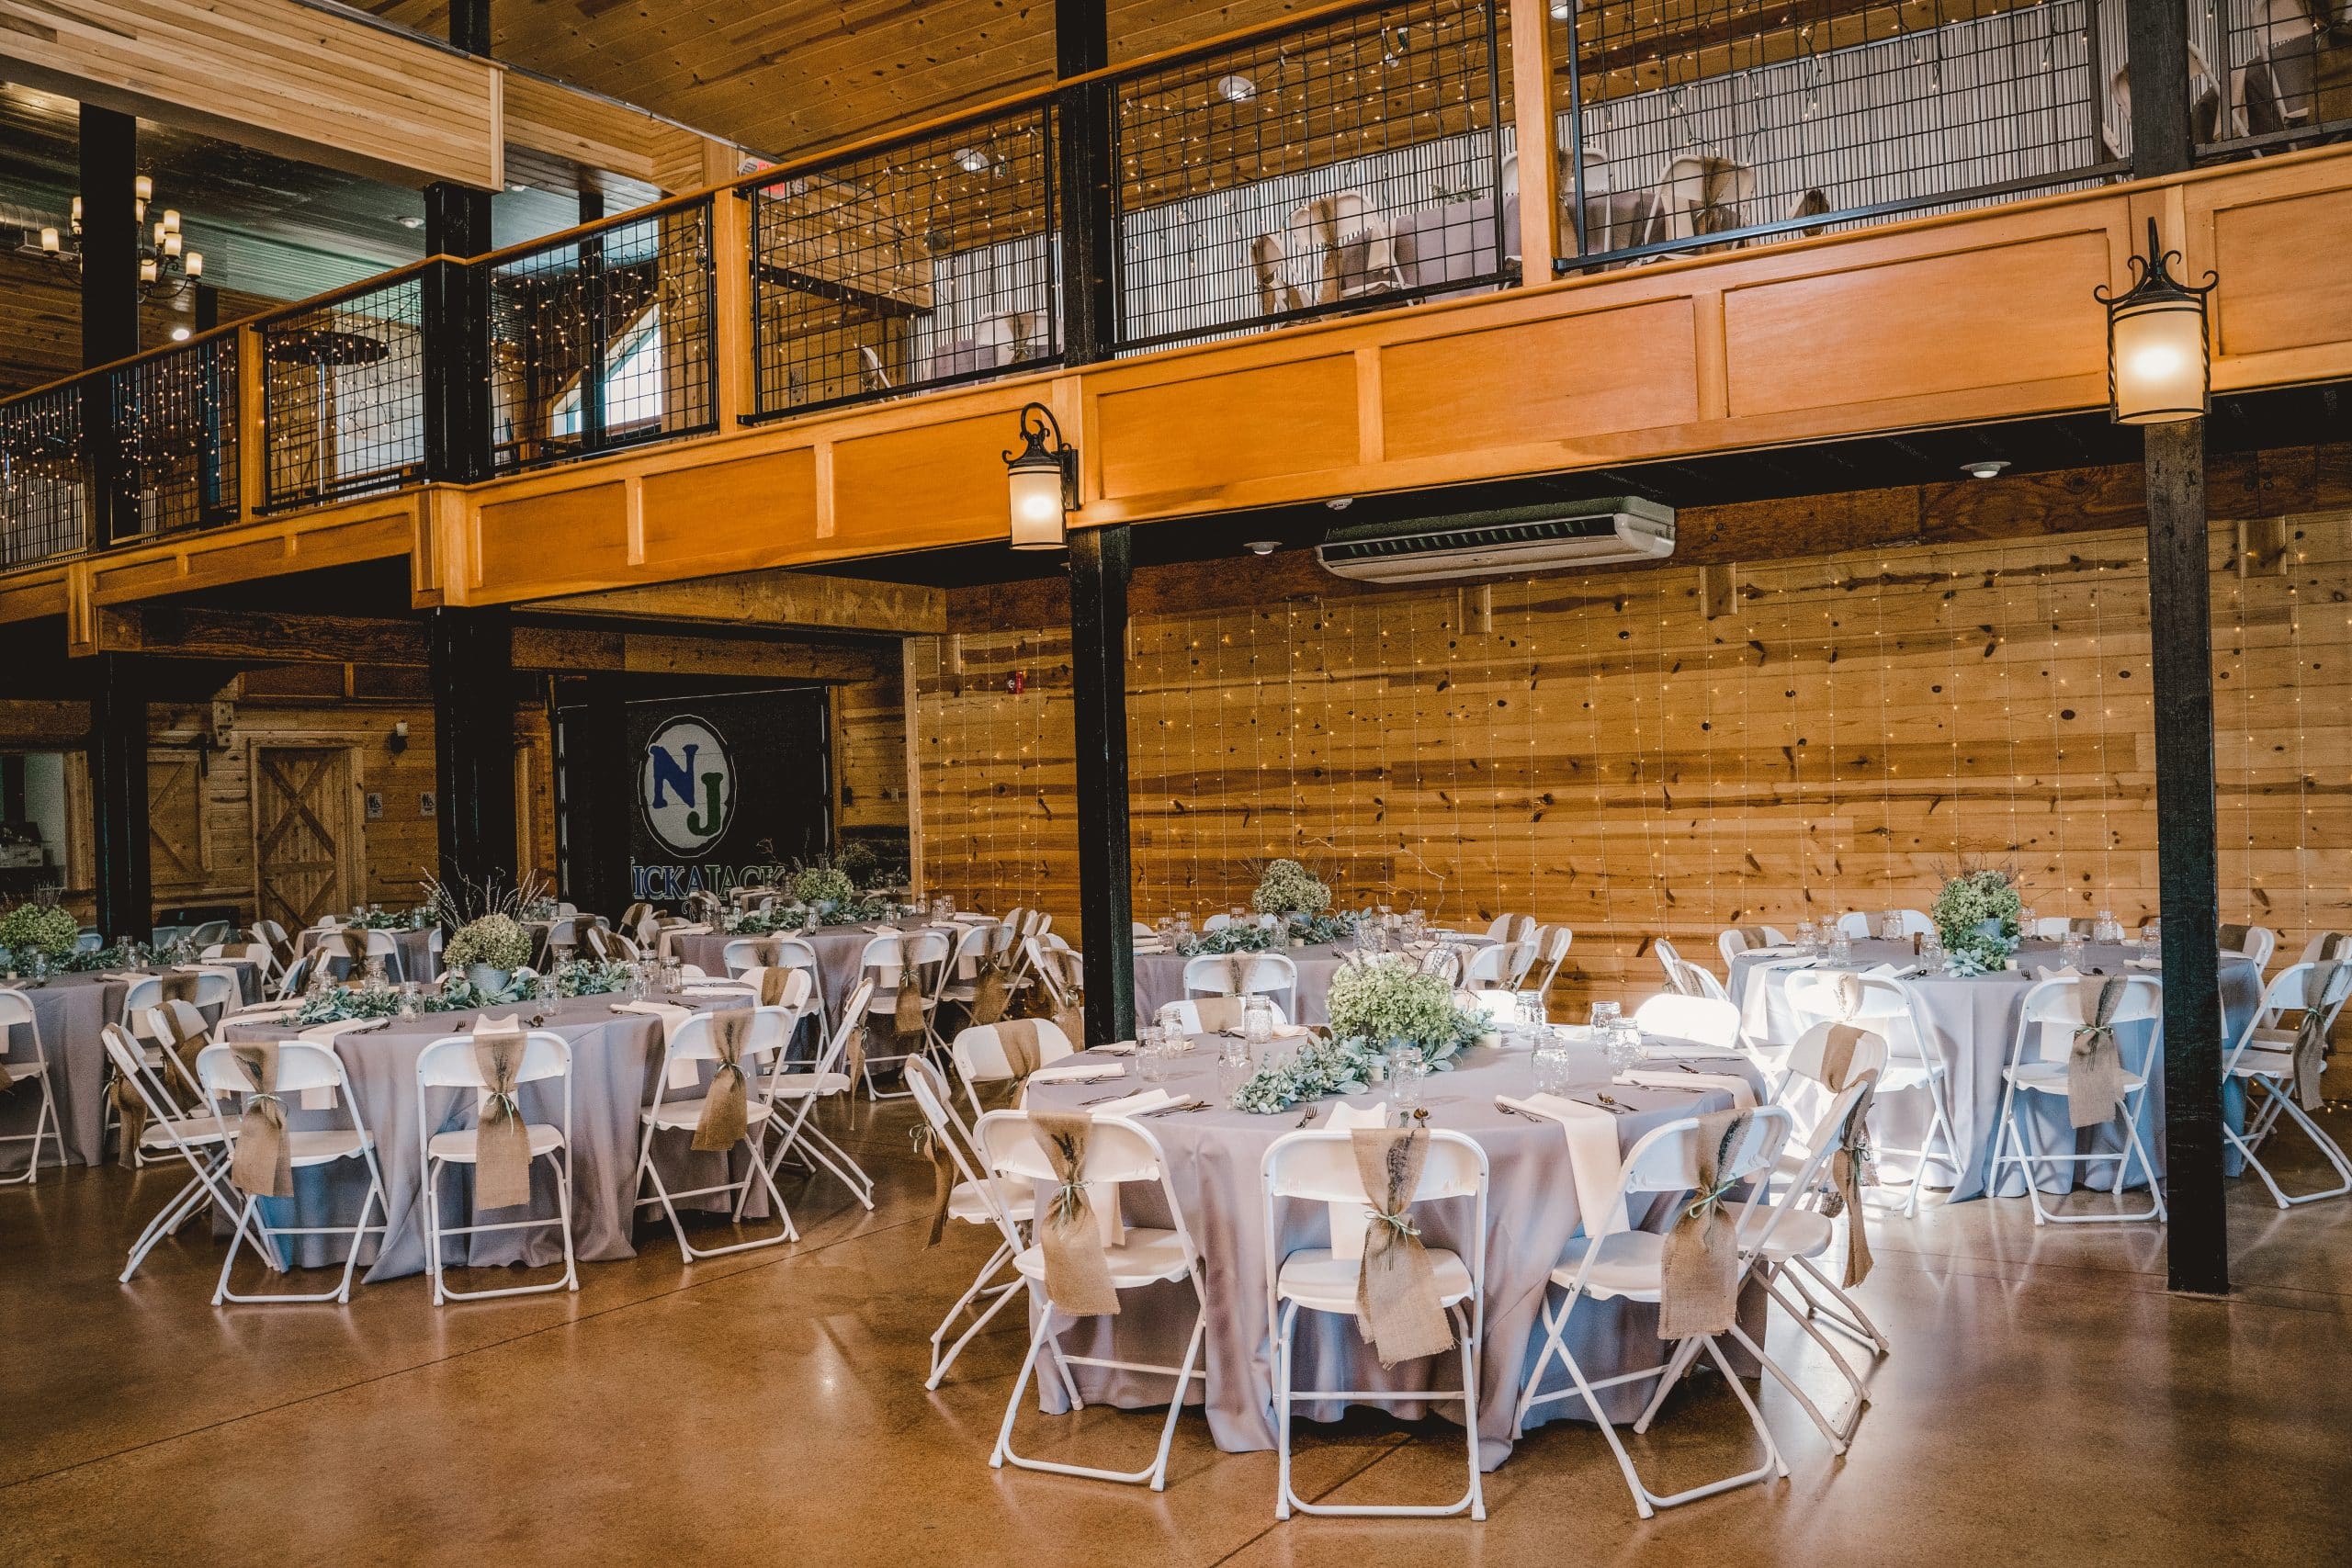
2046,1402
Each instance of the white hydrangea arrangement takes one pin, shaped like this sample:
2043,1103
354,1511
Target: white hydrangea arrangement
1976,917
1372,1006
495,941
1289,888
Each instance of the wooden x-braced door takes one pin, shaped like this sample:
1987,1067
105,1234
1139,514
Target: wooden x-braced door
302,832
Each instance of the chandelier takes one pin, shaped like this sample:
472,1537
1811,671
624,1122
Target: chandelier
166,266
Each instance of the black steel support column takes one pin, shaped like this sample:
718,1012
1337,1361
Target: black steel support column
1087,156
457,336
471,657
110,300
119,798
2181,637
592,295
1099,564
597,775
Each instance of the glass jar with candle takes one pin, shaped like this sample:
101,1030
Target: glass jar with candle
1257,1021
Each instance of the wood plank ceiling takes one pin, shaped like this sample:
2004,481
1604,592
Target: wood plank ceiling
788,75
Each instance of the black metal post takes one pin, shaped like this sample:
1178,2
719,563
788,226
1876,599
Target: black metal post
598,773
1099,565
126,906
1086,155
470,26
470,654
457,336
597,325
109,151
2196,1247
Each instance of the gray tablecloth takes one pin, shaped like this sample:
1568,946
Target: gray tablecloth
418,961
1214,1158
1972,1023
1160,979
841,955
615,1059
69,1010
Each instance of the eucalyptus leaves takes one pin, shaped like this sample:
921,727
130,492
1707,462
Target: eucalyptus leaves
1248,936
1375,1006
575,977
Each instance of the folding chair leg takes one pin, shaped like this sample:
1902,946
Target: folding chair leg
1677,1365
1796,1390
1841,1431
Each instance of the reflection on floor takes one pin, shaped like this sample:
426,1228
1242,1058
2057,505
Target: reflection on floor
2046,1402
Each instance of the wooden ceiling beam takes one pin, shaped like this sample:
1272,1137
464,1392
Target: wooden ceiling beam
772,598
580,648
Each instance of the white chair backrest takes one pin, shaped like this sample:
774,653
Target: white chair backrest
1138,929
221,952
450,1063
380,944
1117,1150
1240,973
1059,969
301,1064
270,932
1678,1017
1320,1166
2261,942
15,1007
799,988
1189,1017
791,952
1865,922
885,956
2323,941
1885,1006
1669,955
1667,1158
130,1064
770,1032
1805,1057
1491,966
1693,980
2288,991
1217,923
565,909
978,1052
142,995
2056,1008
1495,1005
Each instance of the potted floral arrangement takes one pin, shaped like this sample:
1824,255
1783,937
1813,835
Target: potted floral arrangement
1976,918
487,951
43,929
823,888
1374,1006
1289,889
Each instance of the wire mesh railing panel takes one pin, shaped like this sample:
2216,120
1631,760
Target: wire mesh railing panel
2269,75
924,264
603,340
176,439
1355,163
1694,127
343,394
43,468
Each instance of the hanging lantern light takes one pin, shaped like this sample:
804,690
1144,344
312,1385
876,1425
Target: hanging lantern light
2158,352
1043,479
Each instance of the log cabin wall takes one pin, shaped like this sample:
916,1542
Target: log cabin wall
1666,752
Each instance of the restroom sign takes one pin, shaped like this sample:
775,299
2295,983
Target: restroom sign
685,786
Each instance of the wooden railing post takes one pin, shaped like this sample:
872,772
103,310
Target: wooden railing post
1536,122
252,423
730,284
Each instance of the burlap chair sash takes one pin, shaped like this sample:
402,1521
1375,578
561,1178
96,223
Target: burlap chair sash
1849,1167
2334,946
1078,1270
1755,936
773,978
1699,1275
264,1165
177,986
1398,1308
726,1106
916,981
2095,1076
502,1139
2232,938
992,986
2311,1035
932,1145
1218,1014
129,1105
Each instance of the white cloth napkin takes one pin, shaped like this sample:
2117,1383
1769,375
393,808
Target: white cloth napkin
262,1011
1115,1048
1742,1093
327,1034
682,1075
719,988
1138,1104
971,920
1148,948
1667,1050
2143,963
664,943
1592,1156
1078,1072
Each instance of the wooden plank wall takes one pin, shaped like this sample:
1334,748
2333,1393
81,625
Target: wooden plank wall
870,759
1598,751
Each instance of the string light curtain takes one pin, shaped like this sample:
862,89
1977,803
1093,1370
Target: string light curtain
42,472
175,431
343,391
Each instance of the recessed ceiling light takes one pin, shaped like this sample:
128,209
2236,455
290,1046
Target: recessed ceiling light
179,334
409,220
1262,547
973,160
1984,467
1560,9
1235,88
1341,502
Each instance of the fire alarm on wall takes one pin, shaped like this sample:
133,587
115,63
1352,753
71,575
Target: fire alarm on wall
1017,683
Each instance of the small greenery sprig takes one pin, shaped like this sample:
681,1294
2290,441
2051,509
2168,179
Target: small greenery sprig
1248,936
586,977
112,957
1319,1068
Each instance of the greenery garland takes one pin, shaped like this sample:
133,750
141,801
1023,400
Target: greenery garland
1376,1008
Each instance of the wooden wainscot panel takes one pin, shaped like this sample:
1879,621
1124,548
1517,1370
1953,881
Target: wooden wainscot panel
558,538
28,595
1633,367
378,529
2014,316
749,512
2285,271
1193,437
937,484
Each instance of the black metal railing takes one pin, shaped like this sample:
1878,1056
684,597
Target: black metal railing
1357,162
44,468
1705,126
175,421
922,265
2285,76
603,340
344,394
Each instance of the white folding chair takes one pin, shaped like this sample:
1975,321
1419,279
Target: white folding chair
1888,1009
302,1066
1320,1166
1492,967
16,1012
1060,970
976,1200
769,1036
742,954
1119,1152
2261,942
1217,923
1734,943
140,999
1709,1021
979,1056
450,1064
2052,1010
918,959
1863,923
1243,975
1630,1265
797,1091
211,931
2263,1056
381,945
196,1137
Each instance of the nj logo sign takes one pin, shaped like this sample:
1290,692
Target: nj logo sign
685,786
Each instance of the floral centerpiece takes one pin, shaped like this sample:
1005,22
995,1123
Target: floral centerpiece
822,886
585,978
1976,918
1289,889
490,945
39,928
1248,936
115,956
1374,1006
387,920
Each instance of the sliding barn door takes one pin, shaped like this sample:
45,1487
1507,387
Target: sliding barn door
303,836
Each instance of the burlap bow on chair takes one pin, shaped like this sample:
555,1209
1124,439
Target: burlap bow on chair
932,1144
2311,1035
1218,1014
1849,1165
914,984
501,1138
2231,939
992,987
726,1106
1699,1275
1077,1272
2095,1076
264,1165
181,1042
1018,1039
1755,936
1398,1308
